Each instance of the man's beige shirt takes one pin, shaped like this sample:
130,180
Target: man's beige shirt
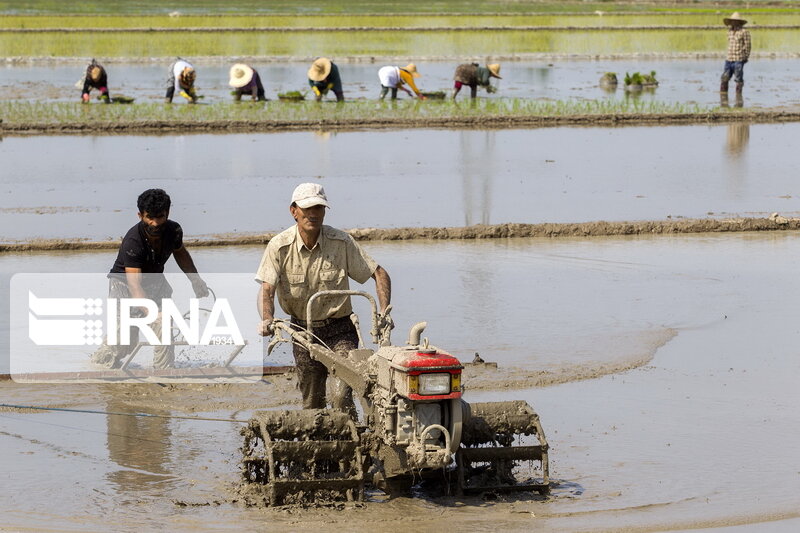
297,272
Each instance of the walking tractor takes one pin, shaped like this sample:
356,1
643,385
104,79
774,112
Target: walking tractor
415,427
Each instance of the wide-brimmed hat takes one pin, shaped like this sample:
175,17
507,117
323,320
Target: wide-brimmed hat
736,18
411,68
494,69
241,75
95,72
308,195
188,75
320,69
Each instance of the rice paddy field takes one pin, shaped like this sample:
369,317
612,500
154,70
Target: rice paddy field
115,32
670,374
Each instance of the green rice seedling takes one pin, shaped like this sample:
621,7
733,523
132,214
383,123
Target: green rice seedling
382,43
292,96
277,112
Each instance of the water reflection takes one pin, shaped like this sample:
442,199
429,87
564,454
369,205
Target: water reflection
737,139
477,164
139,445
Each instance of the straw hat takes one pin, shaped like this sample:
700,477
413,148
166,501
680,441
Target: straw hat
188,75
320,69
411,68
94,73
494,69
736,18
241,75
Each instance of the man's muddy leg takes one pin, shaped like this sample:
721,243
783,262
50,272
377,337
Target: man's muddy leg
341,393
311,378
163,356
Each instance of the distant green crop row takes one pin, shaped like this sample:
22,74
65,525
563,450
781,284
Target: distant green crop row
405,21
386,43
350,6
63,113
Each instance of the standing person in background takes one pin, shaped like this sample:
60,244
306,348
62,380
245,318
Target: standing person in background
323,76
396,78
245,80
95,78
181,78
473,75
738,53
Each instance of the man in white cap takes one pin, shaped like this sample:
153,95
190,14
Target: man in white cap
307,258
245,80
738,53
323,76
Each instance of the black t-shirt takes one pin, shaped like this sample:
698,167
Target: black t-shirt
136,252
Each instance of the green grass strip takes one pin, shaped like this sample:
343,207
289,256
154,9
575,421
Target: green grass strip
69,113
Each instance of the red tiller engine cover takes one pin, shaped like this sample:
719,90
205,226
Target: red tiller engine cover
419,361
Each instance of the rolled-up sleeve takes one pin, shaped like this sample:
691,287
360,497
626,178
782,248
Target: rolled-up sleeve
268,268
360,266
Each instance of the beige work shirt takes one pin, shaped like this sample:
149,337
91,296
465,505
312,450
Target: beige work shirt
297,272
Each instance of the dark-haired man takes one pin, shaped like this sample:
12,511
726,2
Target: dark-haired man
144,250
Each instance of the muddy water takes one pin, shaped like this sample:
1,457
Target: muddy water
86,187
700,436
770,82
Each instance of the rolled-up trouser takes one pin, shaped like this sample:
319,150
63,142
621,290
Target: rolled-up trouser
385,90
113,355
340,335
733,69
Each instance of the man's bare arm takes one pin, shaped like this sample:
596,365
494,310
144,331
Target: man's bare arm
383,286
266,308
133,277
185,262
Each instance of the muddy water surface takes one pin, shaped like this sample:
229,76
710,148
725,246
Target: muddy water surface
700,436
770,82
86,186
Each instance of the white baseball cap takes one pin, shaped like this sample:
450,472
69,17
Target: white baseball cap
308,195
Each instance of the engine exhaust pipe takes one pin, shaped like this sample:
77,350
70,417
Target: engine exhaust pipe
416,333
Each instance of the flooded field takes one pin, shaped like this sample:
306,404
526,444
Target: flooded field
706,408
86,189
769,82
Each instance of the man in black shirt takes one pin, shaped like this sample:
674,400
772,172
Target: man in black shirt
144,250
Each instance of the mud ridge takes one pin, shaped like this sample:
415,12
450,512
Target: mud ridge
480,231
394,123
479,377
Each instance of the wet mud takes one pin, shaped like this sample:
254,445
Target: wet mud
644,449
484,122
480,231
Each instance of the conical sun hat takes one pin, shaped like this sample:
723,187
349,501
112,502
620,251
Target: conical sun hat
494,68
320,69
241,75
736,17
411,68
188,75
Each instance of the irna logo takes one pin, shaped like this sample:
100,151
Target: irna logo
77,322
